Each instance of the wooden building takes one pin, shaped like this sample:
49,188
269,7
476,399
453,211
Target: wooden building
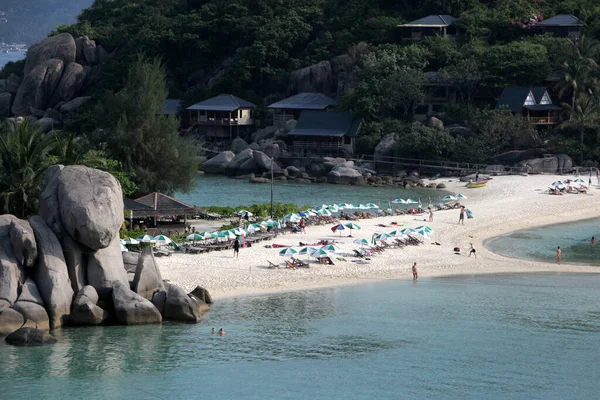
531,103
156,205
222,117
439,92
431,25
563,25
292,107
324,132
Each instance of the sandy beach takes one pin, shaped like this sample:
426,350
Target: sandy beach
508,203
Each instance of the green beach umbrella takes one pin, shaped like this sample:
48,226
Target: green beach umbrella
146,239
324,212
362,242
330,248
123,242
321,253
461,196
352,226
123,248
194,236
292,218
382,237
307,250
162,239
397,233
132,241
372,205
288,252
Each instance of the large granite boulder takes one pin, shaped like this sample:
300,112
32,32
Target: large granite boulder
343,175
565,163
263,162
238,144
12,274
434,122
12,83
130,261
385,147
237,161
76,257
34,315
218,163
514,156
250,166
49,208
105,267
5,100
263,134
202,294
316,78
22,241
87,295
74,104
131,308
159,299
147,280
30,337
38,87
70,83
293,171
10,321
91,205
271,150
85,311
51,276
547,165
61,47
48,124
181,307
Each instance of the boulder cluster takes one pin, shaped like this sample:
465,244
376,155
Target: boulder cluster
58,70
65,266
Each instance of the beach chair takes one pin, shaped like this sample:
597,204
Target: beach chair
272,266
299,263
290,265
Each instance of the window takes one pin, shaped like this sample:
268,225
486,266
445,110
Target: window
530,100
546,99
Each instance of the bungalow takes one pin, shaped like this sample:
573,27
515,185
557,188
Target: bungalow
532,103
430,25
325,132
222,117
439,92
563,25
291,107
156,205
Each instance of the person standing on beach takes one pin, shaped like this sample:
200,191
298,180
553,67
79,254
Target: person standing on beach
598,175
558,254
236,248
472,250
414,271
302,224
430,214
461,218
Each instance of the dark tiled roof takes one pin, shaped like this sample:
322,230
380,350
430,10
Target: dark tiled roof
171,107
514,97
326,123
305,101
562,20
163,202
432,20
133,205
222,102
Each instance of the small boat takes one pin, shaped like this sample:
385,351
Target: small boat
478,184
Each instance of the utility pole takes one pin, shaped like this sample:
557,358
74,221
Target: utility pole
272,162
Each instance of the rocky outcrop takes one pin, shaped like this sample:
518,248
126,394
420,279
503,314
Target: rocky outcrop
343,175
105,267
515,156
249,166
565,163
10,321
547,165
5,103
290,125
61,47
52,277
74,104
434,122
12,275
70,83
85,311
37,88
31,306
314,78
49,209
12,83
181,307
22,241
91,205
263,162
218,163
133,309
147,280
76,258
237,161
202,294
385,147
30,337
238,144
264,134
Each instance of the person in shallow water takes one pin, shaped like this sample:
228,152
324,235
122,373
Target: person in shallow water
414,271
558,254
222,332
593,241
214,331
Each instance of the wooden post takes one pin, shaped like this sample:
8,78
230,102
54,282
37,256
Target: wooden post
229,125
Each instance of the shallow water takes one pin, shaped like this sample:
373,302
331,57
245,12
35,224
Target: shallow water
504,336
220,190
539,244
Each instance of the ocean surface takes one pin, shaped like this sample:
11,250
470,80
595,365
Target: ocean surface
222,191
539,244
6,57
529,336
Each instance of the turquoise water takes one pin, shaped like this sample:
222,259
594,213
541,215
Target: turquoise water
533,336
539,244
219,190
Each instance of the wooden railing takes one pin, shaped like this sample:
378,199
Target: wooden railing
308,144
543,120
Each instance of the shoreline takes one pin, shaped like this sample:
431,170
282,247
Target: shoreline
507,204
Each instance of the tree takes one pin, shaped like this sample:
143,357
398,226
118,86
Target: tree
425,142
23,160
583,114
148,145
465,75
519,63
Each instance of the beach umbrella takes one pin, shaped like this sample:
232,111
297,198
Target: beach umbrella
372,205
162,239
288,252
318,253
292,218
332,248
411,201
194,236
123,242
397,233
362,242
382,237
243,212
339,227
307,250
324,212
449,197
399,201
558,183
253,228
424,231
146,239
580,182
226,234
352,226
344,205
131,241
123,248
362,207
333,208
461,196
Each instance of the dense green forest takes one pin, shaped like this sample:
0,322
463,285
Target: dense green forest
30,20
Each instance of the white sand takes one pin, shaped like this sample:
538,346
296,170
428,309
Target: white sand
508,203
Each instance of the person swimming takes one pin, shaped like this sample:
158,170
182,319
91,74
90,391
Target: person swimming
222,332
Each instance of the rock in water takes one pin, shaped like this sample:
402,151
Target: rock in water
133,309
52,276
76,257
85,311
49,208
30,337
10,321
60,47
11,272
181,307
217,164
91,205
147,280
105,266
34,315
202,294
237,161
23,242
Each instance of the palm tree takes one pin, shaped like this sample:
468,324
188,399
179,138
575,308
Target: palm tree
583,114
23,159
580,68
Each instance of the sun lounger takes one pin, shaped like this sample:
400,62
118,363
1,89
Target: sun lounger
299,263
290,265
272,266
